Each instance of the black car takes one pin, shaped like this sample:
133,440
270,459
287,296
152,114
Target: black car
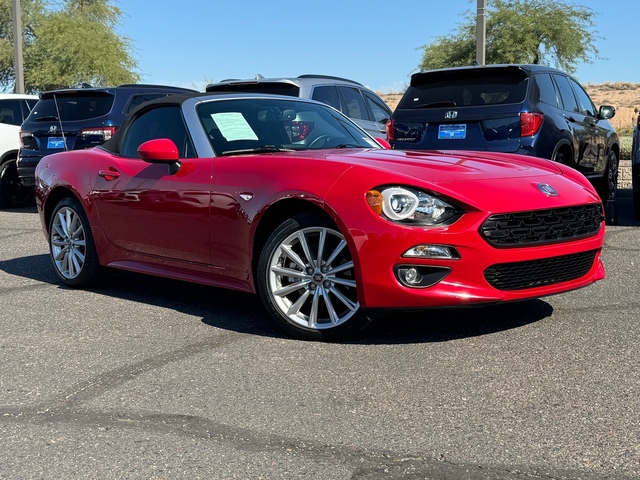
528,109
73,119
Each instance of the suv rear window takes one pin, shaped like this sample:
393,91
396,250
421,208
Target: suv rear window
275,88
73,107
464,88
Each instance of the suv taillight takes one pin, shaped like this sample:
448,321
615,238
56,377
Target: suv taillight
105,132
391,136
26,139
530,123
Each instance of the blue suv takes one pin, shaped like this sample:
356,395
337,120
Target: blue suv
73,119
527,109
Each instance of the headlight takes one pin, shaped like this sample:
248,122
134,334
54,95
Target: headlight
410,205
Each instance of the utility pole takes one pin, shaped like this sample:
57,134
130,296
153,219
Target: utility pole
481,31
17,47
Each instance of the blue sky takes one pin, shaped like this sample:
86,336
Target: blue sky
375,42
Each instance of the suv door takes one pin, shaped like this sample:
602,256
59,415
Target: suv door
356,109
599,130
581,122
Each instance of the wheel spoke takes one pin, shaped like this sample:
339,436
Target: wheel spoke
348,303
336,252
294,309
340,268
305,248
344,281
288,251
294,287
289,272
333,316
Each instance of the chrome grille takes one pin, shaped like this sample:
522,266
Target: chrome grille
539,273
539,227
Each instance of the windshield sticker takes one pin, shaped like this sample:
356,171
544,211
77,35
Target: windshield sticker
234,126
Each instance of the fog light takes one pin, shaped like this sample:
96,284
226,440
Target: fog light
432,251
412,276
420,276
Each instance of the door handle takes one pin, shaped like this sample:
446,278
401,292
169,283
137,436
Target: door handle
109,174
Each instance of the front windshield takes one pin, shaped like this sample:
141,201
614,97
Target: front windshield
248,125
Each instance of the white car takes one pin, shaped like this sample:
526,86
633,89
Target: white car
14,108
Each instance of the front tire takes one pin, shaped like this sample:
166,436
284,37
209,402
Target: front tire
307,282
71,245
607,188
12,193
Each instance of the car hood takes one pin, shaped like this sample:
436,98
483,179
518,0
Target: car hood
442,167
491,182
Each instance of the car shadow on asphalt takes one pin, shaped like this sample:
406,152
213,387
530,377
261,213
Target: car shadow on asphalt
243,312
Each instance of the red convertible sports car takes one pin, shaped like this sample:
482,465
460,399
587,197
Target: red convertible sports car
289,199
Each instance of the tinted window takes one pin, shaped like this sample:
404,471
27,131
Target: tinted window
275,88
566,94
140,98
10,112
379,109
327,94
459,92
354,103
72,108
547,89
165,122
584,102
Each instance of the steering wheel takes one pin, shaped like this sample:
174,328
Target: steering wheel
322,139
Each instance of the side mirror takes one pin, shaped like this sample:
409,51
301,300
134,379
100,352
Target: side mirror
383,143
606,112
160,150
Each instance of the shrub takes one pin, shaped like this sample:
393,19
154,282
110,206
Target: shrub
625,147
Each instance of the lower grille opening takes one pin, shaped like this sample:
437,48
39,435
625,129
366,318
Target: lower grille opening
539,273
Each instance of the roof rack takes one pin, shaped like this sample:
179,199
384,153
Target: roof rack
330,77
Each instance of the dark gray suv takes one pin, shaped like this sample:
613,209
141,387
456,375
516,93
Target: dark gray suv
527,109
351,98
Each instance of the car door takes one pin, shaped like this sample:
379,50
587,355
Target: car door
356,109
599,130
581,125
380,112
148,208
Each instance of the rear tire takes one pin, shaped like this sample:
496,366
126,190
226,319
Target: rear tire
71,245
12,193
635,182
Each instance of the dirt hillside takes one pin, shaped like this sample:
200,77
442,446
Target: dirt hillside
622,95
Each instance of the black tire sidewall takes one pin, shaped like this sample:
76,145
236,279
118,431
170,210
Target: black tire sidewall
8,167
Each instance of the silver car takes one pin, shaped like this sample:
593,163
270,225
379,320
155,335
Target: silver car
351,98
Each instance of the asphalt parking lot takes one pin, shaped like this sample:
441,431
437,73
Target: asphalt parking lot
150,378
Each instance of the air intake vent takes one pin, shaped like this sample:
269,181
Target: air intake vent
540,227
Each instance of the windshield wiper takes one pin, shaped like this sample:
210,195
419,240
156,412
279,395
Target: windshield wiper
446,103
48,117
263,149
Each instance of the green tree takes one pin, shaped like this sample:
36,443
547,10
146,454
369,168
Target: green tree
66,44
550,32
